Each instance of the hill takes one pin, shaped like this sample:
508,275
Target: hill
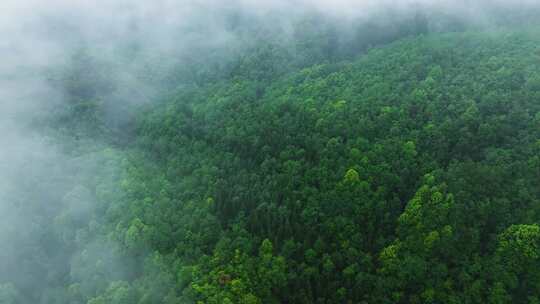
408,175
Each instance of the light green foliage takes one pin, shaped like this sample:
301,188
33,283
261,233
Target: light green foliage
352,176
521,242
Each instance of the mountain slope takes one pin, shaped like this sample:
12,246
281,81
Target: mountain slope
407,176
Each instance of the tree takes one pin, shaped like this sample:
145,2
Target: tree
415,267
517,262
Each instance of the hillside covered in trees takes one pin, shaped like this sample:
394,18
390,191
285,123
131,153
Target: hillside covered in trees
396,163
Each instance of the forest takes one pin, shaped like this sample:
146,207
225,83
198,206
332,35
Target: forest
389,158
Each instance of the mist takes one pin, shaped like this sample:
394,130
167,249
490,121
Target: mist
132,55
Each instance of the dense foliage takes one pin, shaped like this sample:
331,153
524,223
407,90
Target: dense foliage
409,174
